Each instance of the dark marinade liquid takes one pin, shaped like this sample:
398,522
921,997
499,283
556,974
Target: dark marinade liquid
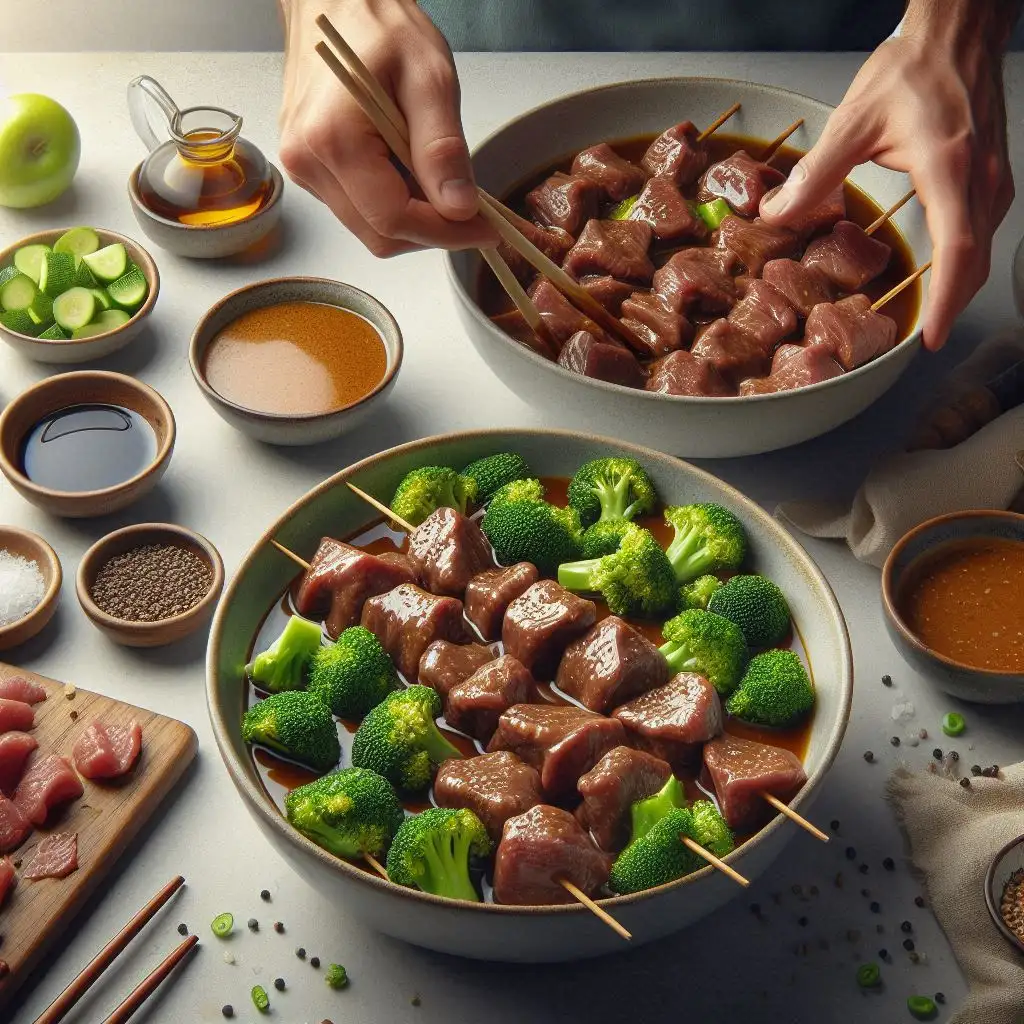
280,776
87,448
860,208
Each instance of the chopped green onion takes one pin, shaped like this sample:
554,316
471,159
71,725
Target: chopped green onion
222,925
953,724
621,211
868,975
922,1007
260,999
713,213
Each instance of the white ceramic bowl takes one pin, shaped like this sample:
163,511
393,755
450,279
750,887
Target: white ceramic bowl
486,931
696,427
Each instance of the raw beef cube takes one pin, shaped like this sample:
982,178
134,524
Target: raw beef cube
55,857
564,201
26,690
447,550
495,787
562,742
755,243
14,826
851,330
14,750
553,242
489,593
617,177
609,665
541,623
607,290
741,181
847,256
515,326
540,847
617,248
764,313
682,373
673,721
15,715
620,779
732,352
408,620
794,366
107,751
663,207
676,154
741,770
803,287
586,355
656,323
475,705
694,285
560,316
49,781
445,664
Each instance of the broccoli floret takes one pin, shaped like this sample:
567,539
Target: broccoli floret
708,538
431,852
708,644
527,489
429,488
698,593
354,674
297,724
399,739
530,530
647,813
658,857
336,976
496,471
757,606
350,812
614,488
710,829
775,690
281,665
603,537
637,579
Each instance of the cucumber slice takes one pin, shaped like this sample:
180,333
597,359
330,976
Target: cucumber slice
54,333
84,277
74,308
112,318
89,331
108,263
29,260
19,321
77,242
129,291
8,273
18,293
103,300
57,274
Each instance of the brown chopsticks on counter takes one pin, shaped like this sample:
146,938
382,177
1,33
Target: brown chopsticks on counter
151,982
63,1004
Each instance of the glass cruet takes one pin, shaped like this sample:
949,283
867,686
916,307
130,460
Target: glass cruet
205,173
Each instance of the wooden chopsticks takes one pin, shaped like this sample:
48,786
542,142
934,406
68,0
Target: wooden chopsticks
151,982
64,1003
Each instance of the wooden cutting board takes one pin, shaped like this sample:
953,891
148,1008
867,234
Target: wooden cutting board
34,917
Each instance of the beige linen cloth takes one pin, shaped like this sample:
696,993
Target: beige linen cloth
984,471
954,833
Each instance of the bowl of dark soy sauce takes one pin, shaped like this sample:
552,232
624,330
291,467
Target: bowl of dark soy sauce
86,443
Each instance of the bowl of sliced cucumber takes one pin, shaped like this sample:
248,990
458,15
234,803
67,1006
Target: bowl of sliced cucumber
74,295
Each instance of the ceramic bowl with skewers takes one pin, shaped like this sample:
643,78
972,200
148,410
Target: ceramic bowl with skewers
749,388
266,589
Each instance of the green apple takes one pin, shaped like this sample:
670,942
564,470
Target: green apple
39,150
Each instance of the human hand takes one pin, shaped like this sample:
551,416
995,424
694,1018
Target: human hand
330,148
929,102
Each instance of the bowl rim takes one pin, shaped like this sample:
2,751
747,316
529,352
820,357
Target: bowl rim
147,265
277,190
990,897
271,816
913,339
160,457
173,532
889,594
385,314
47,554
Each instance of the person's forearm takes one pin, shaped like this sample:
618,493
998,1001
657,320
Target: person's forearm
989,22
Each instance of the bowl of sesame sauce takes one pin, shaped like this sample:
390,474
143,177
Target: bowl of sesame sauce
953,594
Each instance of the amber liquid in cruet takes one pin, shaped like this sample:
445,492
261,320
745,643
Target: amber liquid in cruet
205,180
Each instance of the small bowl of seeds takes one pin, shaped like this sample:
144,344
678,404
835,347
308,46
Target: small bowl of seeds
150,584
30,581
1004,892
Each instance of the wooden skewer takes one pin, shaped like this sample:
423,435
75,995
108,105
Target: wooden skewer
595,908
297,559
902,201
376,865
517,293
793,816
151,982
381,507
718,122
63,1004
707,855
773,147
905,283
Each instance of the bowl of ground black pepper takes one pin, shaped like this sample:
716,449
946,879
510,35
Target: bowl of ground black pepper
150,584
30,581
1004,892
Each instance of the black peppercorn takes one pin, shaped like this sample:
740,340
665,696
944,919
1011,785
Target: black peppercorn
279,984
314,962
918,901
937,754
863,869
265,895
954,756
895,741
868,756
965,782
851,853
865,893
183,928
883,954
278,927
300,953
228,1010
834,824
908,945
976,769
876,908
889,864
939,998
887,680
253,925
906,926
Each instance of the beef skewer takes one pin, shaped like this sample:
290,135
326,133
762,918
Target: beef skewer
718,122
883,217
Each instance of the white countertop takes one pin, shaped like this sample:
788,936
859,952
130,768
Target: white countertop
229,488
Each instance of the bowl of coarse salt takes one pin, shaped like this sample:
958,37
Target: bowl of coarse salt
30,580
